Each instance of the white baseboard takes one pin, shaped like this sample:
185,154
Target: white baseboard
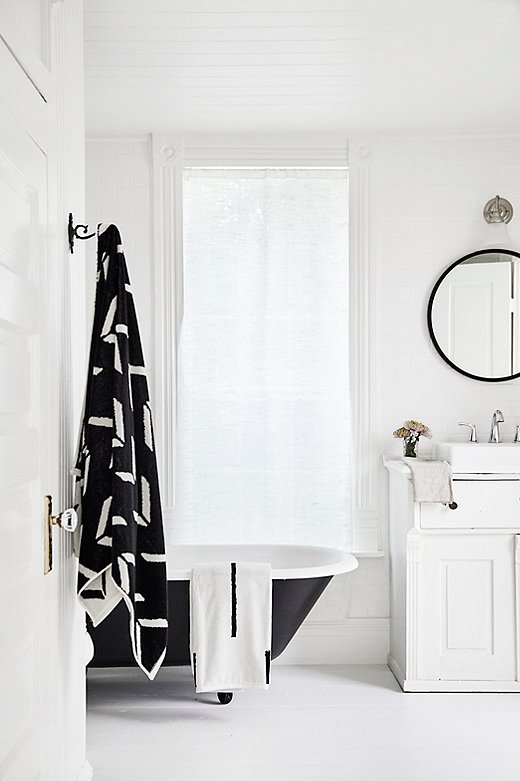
398,673
351,641
468,687
86,772
425,686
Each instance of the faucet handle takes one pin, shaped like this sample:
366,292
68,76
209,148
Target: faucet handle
517,434
473,435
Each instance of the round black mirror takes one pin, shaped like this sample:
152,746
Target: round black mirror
474,315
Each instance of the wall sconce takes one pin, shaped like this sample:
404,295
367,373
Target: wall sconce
498,210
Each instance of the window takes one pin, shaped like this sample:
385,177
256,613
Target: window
263,436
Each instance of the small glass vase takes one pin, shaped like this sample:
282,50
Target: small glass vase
410,446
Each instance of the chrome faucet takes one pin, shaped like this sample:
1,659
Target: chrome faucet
497,418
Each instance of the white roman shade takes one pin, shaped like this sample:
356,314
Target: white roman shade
263,416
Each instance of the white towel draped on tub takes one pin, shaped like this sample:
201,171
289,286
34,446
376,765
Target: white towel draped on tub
230,635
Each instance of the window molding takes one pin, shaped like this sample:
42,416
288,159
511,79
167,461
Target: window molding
170,154
366,509
167,164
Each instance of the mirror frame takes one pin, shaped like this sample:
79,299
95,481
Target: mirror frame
436,344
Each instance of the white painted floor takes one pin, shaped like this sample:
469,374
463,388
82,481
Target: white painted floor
319,723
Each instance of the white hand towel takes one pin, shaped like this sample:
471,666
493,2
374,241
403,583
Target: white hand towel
230,634
431,481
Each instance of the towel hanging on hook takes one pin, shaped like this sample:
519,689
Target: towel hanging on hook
73,233
121,546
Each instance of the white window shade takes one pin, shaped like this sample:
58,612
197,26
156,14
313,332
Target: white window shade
263,439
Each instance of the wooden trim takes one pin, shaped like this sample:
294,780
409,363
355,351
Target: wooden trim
365,499
70,334
306,150
517,603
413,564
460,686
449,686
351,641
34,67
396,670
168,161
86,772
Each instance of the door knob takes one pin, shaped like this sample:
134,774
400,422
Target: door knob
67,520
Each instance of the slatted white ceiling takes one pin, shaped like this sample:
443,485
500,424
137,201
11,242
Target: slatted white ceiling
302,65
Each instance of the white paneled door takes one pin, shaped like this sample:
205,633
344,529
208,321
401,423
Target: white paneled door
42,630
24,449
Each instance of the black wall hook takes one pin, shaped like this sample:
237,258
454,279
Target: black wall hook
73,233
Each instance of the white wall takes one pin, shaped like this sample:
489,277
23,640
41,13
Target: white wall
119,192
426,197
429,194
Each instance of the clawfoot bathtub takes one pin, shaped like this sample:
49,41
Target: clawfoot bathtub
300,575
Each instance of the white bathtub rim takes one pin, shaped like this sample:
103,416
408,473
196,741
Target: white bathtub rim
338,563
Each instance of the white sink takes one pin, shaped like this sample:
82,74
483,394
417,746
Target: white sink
485,458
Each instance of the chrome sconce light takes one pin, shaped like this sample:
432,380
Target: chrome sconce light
498,210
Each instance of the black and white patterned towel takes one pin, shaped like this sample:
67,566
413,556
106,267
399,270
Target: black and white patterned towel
121,540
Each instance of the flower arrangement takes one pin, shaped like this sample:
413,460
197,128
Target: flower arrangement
410,432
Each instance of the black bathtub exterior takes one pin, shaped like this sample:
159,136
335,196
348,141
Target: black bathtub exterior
292,602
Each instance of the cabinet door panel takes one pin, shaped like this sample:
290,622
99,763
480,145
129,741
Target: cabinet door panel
467,608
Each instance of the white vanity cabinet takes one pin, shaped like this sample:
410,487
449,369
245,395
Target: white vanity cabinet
455,585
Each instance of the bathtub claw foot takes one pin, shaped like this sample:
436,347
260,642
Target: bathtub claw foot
224,697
